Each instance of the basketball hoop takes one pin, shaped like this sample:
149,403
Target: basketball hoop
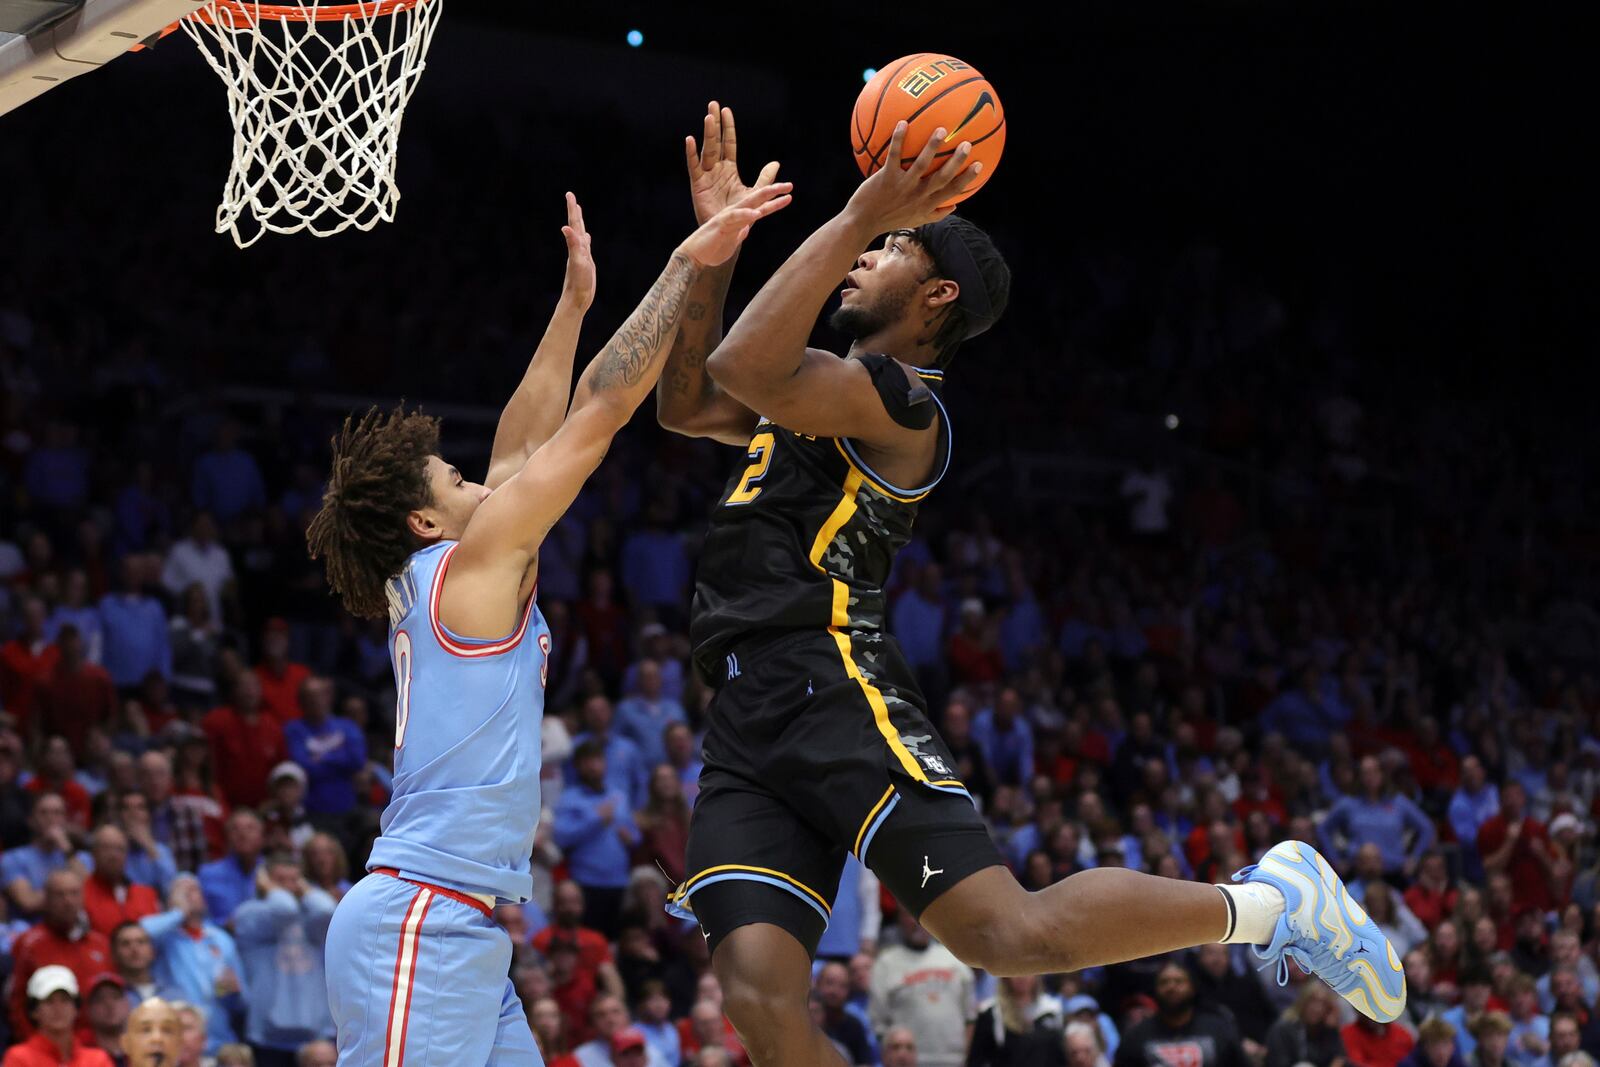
317,92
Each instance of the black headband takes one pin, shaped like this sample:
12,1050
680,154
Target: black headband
955,261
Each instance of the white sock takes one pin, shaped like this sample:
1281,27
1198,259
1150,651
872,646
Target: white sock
1253,912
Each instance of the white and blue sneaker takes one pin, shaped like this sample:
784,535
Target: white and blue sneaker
1327,934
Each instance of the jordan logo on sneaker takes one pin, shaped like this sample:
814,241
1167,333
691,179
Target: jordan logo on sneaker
926,873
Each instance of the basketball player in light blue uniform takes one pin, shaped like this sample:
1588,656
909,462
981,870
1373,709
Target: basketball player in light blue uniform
417,968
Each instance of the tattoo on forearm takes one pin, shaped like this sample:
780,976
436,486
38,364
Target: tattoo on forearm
685,373
628,355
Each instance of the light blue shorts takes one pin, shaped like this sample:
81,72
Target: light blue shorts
417,977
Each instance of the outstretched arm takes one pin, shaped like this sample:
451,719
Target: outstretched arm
687,400
764,363
483,595
540,402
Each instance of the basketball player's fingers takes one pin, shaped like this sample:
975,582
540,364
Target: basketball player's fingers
730,141
924,160
897,142
691,152
763,194
951,170
575,215
963,181
768,175
711,141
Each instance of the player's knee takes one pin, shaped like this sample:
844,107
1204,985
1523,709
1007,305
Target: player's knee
758,1012
1006,942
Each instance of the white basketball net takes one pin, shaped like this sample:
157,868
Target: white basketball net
316,106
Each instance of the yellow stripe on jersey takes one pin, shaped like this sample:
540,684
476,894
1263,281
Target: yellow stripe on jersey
689,886
873,814
841,619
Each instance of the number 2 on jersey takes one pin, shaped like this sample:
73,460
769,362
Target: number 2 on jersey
760,455
402,686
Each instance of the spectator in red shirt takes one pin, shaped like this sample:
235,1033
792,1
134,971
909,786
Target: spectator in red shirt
25,662
1516,843
594,951
280,678
1368,1043
1431,897
572,988
52,1005
56,776
1433,765
77,694
109,898
60,937
245,744
973,652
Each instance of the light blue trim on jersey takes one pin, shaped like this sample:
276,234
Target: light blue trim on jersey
949,449
954,789
872,831
682,909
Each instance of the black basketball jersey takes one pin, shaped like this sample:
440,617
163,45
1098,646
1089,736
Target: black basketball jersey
803,538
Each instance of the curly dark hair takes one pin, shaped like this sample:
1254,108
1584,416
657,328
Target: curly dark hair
379,476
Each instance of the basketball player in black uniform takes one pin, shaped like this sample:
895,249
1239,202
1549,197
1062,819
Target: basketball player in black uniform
819,742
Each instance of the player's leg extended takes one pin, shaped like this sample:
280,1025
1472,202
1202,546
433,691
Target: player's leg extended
765,975
1291,905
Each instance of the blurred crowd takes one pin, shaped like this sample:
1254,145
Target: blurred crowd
1258,585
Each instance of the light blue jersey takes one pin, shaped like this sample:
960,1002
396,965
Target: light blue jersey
466,764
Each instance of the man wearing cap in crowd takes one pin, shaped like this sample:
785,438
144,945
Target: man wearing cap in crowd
286,824
231,881
62,937
51,1004
153,1035
106,1011
610,1018
1084,1008
629,1048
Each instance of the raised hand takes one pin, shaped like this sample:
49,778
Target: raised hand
717,240
579,284
902,199
714,181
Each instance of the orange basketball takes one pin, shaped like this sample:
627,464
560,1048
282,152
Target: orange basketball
929,90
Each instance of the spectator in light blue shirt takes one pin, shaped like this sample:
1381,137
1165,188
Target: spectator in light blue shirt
280,937
644,717
198,960
1476,801
626,770
227,480
594,827
23,870
1022,630
1004,737
654,644
149,861
1378,817
918,620
231,881
135,627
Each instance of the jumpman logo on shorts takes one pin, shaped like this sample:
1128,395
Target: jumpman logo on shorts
927,874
